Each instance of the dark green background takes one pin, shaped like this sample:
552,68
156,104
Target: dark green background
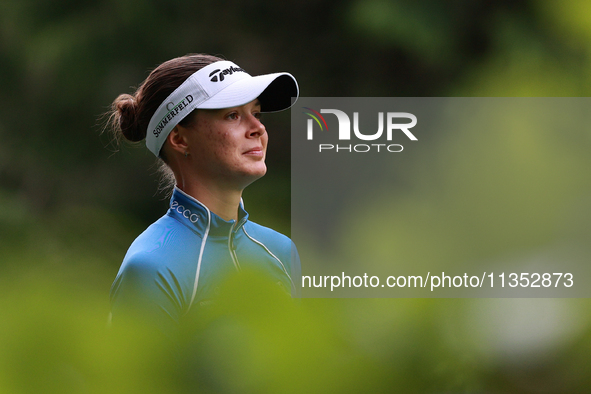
70,206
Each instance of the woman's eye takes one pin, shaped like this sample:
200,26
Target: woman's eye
232,116
258,115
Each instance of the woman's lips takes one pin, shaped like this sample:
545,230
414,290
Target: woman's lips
254,152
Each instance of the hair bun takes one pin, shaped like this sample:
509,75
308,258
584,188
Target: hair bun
130,115
125,109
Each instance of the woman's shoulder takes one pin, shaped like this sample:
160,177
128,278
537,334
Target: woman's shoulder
279,246
162,240
268,237
266,232
159,254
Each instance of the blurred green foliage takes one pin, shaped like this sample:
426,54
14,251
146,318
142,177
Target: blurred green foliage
69,206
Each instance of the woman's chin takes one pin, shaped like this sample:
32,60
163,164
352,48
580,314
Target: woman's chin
254,174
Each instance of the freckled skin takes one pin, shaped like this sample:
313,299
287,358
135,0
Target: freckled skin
229,145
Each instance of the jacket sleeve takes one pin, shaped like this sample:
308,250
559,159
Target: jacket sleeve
141,291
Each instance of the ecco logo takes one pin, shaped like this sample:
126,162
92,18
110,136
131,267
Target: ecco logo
228,71
186,212
344,132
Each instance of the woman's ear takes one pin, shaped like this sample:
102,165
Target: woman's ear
177,139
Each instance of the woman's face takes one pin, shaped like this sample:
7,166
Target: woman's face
229,145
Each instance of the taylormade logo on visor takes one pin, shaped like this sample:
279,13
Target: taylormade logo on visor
215,77
173,110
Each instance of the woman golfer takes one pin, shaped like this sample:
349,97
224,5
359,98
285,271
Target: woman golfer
201,116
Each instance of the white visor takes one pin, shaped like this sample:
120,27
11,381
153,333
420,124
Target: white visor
219,85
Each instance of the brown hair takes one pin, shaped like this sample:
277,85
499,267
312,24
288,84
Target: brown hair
131,114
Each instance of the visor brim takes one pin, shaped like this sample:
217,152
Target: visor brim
276,92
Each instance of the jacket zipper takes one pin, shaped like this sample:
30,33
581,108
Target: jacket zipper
231,248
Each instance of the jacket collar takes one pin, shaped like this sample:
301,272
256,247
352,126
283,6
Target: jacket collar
193,214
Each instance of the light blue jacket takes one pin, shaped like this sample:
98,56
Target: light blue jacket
177,263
